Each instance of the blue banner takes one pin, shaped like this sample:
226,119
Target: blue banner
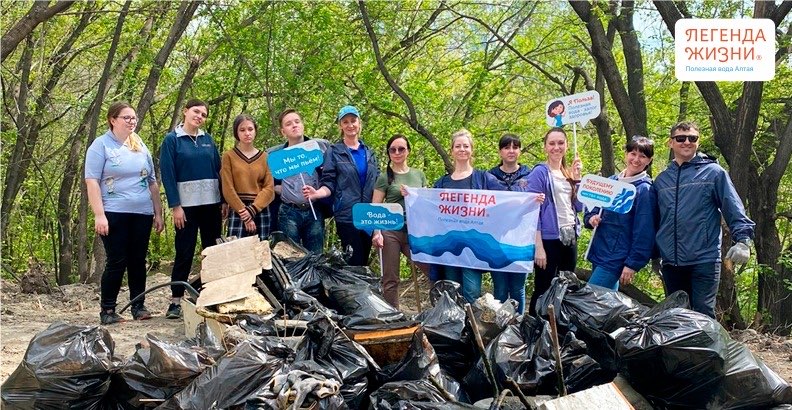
296,159
386,217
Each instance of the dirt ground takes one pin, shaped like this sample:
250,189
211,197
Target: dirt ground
22,316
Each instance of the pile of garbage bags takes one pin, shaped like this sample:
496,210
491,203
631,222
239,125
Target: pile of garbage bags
671,355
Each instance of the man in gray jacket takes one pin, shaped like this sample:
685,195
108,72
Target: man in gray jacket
692,194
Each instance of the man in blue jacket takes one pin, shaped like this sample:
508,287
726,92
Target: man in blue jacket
692,194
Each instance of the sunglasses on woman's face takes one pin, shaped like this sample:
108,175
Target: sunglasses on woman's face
681,138
394,150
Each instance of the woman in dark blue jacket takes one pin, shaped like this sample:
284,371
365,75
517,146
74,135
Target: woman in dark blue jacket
464,176
513,176
623,243
349,174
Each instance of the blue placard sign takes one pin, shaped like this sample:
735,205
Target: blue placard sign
387,217
293,160
609,194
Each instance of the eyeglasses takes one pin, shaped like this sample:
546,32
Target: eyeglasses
681,138
129,119
394,150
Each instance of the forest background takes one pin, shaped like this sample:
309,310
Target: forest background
421,68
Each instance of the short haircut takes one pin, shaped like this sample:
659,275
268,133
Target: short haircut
641,144
684,126
284,113
507,140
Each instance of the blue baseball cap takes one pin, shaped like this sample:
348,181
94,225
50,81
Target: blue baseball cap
346,110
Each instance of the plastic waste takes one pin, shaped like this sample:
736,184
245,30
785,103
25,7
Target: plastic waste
445,327
597,307
675,358
326,345
64,367
235,376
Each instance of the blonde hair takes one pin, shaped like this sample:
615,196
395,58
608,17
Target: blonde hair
133,142
462,132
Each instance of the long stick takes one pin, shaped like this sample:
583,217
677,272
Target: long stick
574,138
309,201
594,232
490,374
415,284
382,269
562,391
515,388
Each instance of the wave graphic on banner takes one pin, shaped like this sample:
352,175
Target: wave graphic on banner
497,255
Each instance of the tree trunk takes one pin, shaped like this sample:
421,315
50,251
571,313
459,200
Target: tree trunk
182,19
728,306
28,132
601,51
39,13
90,120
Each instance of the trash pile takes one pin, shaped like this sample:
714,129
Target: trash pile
316,333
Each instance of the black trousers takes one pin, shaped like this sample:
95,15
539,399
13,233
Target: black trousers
126,245
559,258
359,240
207,219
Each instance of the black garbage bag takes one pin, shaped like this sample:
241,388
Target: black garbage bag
206,339
306,273
421,362
597,307
749,383
256,325
158,370
524,353
303,382
449,287
675,358
330,348
445,327
581,371
235,376
64,367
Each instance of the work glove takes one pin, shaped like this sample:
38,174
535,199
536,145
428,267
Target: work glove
739,253
567,235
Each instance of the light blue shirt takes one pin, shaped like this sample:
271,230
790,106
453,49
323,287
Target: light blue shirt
124,176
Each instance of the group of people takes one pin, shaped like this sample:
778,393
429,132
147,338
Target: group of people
680,212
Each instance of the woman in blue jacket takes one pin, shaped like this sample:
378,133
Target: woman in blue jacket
349,174
513,176
464,176
623,243
559,226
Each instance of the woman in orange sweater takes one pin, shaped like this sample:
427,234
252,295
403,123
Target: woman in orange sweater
247,183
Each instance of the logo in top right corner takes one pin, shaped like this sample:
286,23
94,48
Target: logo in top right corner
725,49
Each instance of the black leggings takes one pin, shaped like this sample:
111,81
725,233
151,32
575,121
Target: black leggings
208,219
126,246
559,258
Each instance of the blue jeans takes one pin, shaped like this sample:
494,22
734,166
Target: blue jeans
470,279
301,227
602,277
699,281
510,285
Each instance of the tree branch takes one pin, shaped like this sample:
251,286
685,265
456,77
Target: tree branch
39,13
412,117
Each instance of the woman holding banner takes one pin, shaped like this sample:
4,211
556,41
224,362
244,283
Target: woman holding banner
247,183
622,243
349,173
514,177
559,225
464,176
390,189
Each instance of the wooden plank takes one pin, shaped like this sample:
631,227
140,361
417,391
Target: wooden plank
362,336
227,289
605,396
192,319
235,257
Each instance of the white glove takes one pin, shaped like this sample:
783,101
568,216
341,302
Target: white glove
739,253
